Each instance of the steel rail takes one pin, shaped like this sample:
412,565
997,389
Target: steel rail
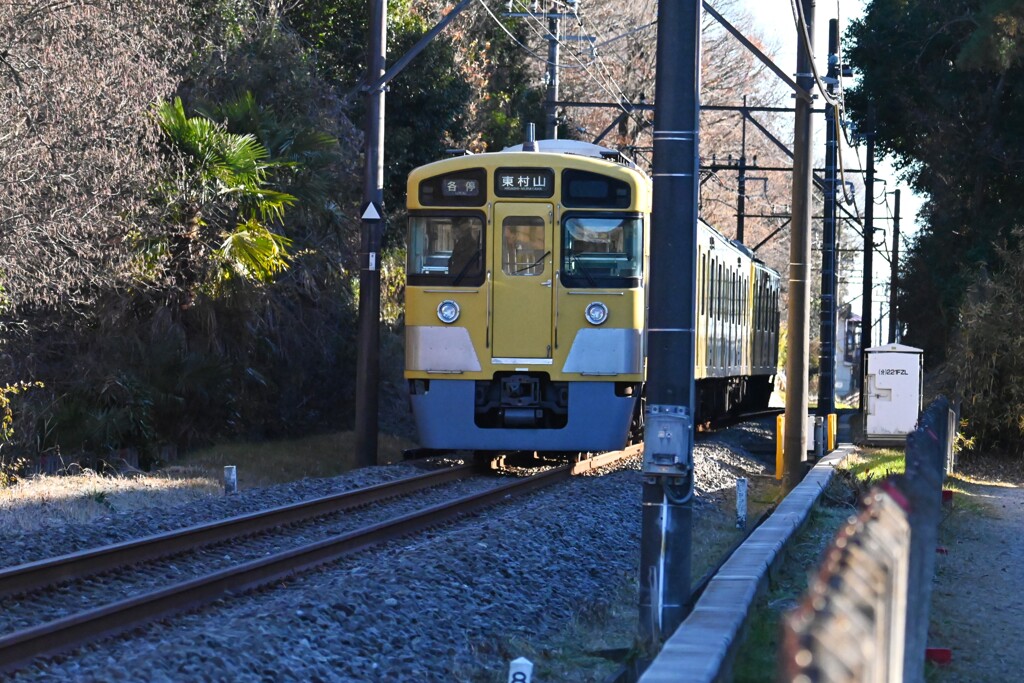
18,648
34,576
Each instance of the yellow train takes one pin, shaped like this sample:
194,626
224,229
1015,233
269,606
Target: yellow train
526,303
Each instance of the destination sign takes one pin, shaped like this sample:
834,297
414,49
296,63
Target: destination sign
524,182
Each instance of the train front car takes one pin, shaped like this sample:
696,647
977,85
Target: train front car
525,299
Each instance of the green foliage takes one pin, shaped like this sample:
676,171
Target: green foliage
10,467
989,370
943,87
425,105
221,191
6,410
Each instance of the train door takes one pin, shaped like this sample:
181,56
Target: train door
523,277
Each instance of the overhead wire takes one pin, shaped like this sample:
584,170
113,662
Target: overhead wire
515,40
614,92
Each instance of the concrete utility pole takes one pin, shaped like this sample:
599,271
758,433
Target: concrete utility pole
827,375
665,544
368,370
894,272
798,342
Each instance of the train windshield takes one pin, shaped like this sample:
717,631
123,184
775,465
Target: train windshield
600,250
446,250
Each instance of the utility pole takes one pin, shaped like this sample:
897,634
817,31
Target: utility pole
827,375
741,199
368,370
894,272
554,38
666,537
554,25
869,249
798,343
372,227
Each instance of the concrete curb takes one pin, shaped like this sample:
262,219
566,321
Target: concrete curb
702,648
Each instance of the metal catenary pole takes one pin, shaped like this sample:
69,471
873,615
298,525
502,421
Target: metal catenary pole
368,370
827,375
798,342
554,25
741,190
869,249
894,272
666,537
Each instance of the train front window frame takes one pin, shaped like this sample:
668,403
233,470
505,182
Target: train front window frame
602,250
446,249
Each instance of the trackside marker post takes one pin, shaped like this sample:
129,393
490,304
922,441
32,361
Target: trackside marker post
520,670
230,479
741,502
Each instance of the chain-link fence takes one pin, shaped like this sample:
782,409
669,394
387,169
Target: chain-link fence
864,618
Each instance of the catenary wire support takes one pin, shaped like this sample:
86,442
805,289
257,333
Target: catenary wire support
666,536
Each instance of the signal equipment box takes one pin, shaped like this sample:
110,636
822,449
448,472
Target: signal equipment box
893,378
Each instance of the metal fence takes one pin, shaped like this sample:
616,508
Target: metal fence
864,618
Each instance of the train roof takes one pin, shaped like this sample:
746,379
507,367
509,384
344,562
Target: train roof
578,147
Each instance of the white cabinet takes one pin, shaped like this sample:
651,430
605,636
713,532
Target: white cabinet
892,389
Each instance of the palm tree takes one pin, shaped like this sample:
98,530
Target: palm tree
219,206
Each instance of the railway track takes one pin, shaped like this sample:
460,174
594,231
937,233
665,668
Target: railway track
97,621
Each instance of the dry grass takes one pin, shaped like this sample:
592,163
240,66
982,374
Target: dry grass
53,500
45,501
275,462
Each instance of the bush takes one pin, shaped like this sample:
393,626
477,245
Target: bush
987,365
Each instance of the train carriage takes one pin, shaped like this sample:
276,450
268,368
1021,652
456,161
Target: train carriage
526,301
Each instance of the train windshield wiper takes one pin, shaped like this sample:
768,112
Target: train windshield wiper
534,264
583,269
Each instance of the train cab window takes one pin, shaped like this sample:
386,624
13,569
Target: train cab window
523,251
600,250
446,250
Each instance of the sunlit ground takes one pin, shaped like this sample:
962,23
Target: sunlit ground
51,501
46,501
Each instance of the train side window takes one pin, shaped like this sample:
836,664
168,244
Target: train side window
732,296
703,282
523,251
714,289
721,294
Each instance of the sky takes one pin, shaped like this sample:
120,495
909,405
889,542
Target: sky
774,19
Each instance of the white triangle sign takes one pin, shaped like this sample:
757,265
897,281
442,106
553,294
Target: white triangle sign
371,213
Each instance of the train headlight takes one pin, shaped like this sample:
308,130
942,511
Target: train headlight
596,313
448,311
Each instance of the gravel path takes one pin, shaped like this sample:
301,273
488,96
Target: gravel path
977,604
443,606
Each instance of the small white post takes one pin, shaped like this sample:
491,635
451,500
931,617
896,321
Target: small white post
741,502
520,670
230,479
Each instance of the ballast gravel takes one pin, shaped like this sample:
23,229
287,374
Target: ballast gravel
446,605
